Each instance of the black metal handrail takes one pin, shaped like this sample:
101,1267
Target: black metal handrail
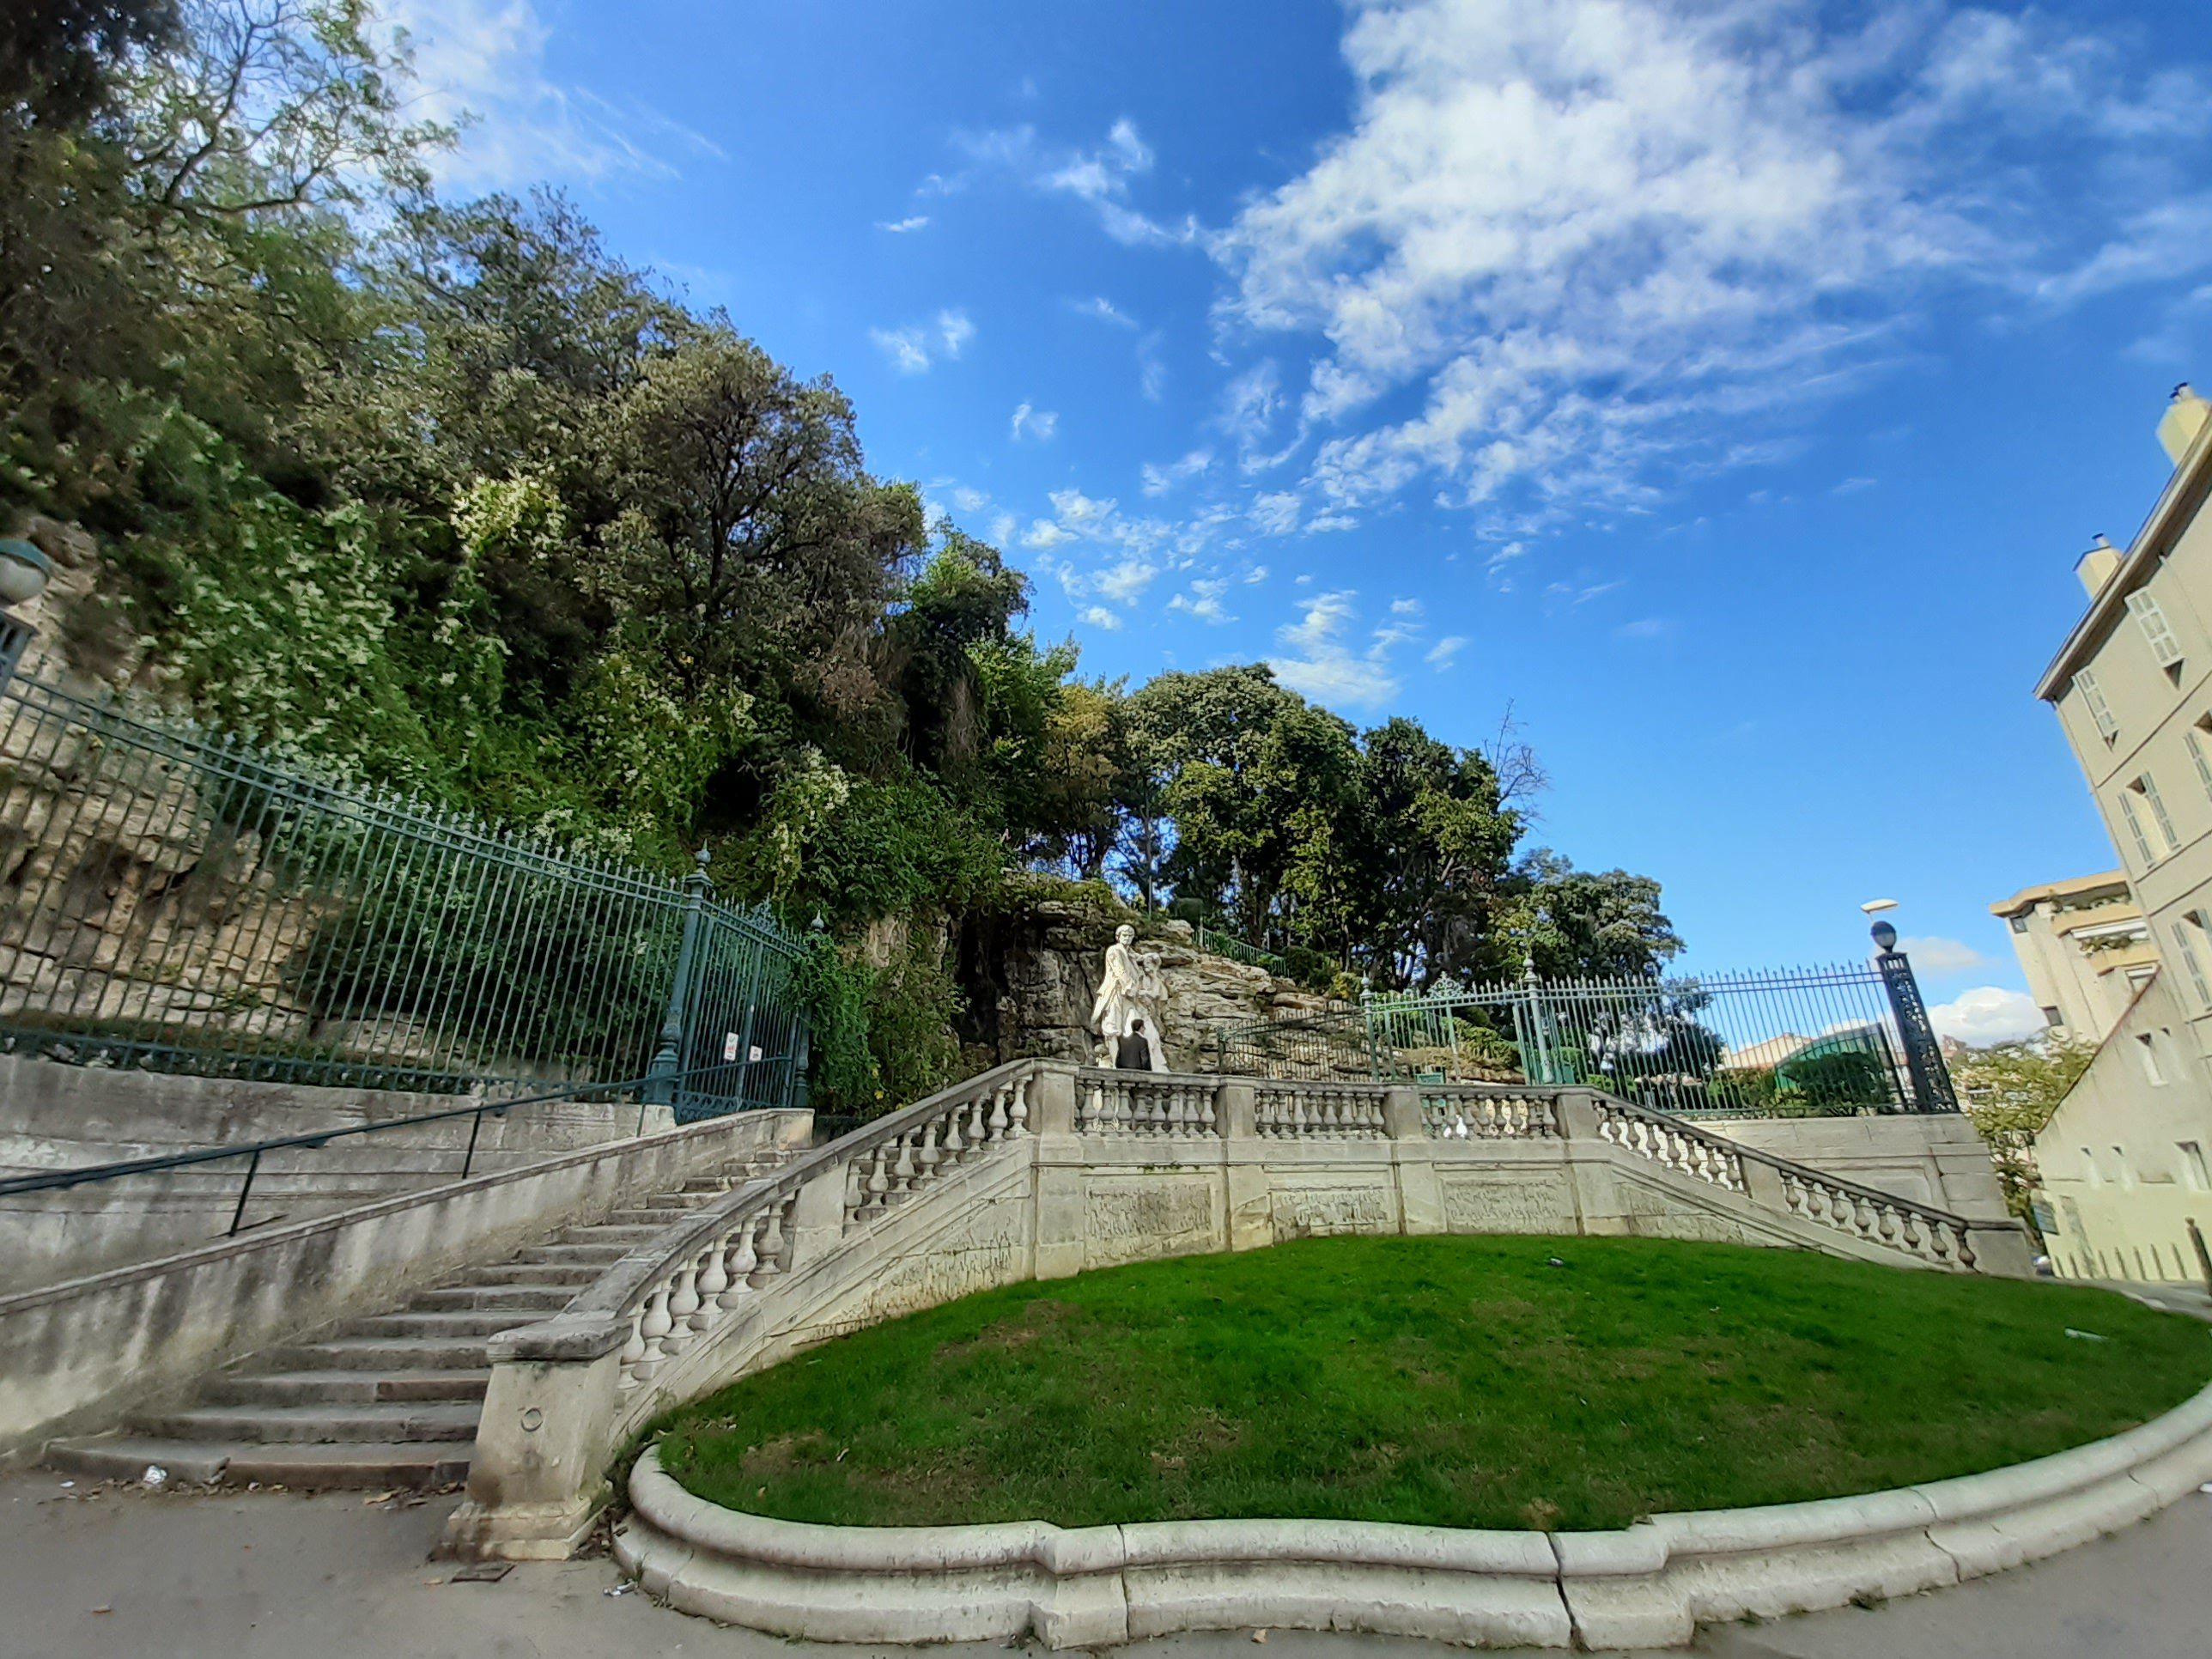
86,1175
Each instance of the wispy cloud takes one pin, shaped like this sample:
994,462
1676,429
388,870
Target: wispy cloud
902,227
1203,601
1100,176
1159,479
1033,424
1440,655
912,349
1317,659
1103,310
1596,244
1099,617
481,64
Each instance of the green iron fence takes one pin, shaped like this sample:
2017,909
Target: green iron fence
1809,1041
172,900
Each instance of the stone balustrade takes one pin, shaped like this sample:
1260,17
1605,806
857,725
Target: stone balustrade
1041,1169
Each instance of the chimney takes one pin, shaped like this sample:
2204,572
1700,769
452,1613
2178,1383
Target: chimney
2095,568
2185,417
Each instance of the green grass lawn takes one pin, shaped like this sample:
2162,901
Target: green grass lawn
1455,1382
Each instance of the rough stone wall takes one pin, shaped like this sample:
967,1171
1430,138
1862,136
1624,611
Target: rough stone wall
1031,975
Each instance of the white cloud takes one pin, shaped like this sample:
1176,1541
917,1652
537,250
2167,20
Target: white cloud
481,64
1100,177
1440,654
902,227
1004,527
1105,310
1404,607
1258,573
1122,582
1044,534
1317,661
1852,486
912,349
1987,1014
1942,956
1275,513
906,348
1099,617
1591,243
1644,627
969,498
1078,511
1159,479
1030,421
1204,600
1152,372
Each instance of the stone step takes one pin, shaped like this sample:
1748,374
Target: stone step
375,1465
444,1321
368,1353
661,1216
573,1274
613,1233
400,1420
596,1257
541,1297
334,1387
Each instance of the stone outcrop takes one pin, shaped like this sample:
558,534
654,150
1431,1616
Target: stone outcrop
1030,973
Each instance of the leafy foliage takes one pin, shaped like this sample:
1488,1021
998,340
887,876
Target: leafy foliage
2011,1090
445,495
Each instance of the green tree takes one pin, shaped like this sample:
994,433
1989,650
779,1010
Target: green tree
1588,924
2011,1090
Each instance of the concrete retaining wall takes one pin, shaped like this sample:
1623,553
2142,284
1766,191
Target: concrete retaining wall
54,1116
76,1354
1647,1586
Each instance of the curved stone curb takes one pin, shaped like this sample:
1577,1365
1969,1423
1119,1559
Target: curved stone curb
1649,1585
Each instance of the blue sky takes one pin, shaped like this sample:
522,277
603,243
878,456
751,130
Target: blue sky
1726,387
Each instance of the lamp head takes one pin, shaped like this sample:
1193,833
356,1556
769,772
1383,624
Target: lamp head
1885,936
24,572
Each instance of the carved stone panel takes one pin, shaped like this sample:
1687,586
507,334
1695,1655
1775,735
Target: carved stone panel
1136,1219
1537,1201
1302,1212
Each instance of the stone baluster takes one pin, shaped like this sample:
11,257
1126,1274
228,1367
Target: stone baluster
856,1193
1208,1121
903,1171
769,1261
633,1350
878,1184
653,1331
683,1303
927,1159
714,1279
996,1127
742,1263
1017,1111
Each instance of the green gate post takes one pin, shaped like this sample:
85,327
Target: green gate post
668,1059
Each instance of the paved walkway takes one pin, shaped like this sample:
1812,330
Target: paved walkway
272,1576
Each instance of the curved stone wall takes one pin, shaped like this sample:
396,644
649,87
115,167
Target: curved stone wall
1646,1586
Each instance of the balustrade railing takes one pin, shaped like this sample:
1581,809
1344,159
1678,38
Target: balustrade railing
1475,1113
1145,1103
960,1131
1318,1111
1862,1213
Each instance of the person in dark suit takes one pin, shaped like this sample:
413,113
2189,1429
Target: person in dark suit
1133,1049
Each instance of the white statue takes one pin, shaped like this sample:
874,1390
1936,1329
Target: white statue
1129,996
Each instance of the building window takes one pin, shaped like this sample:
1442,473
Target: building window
2200,749
2122,1177
2168,841
2020,921
2193,1173
2188,933
2090,1172
2146,1052
2144,857
2053,1019
2093,699
2165,649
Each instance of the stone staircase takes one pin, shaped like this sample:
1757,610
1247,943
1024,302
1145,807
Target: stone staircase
389,1400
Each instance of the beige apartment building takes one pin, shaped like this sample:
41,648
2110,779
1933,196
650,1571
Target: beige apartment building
2085,949
2122,1163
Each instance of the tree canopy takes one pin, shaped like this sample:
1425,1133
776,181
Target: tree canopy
447,496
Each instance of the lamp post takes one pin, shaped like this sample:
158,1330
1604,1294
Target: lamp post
24,573
1923,1054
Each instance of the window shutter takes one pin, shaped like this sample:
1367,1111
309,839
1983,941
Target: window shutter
2144,856
2165,649
2093,698
2191,964
2158,814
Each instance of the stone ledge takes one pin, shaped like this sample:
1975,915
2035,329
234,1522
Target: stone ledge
1649,1585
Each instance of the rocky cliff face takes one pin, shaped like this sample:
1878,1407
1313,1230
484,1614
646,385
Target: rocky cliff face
1031,975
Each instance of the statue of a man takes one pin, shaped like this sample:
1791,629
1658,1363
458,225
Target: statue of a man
1128,1000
